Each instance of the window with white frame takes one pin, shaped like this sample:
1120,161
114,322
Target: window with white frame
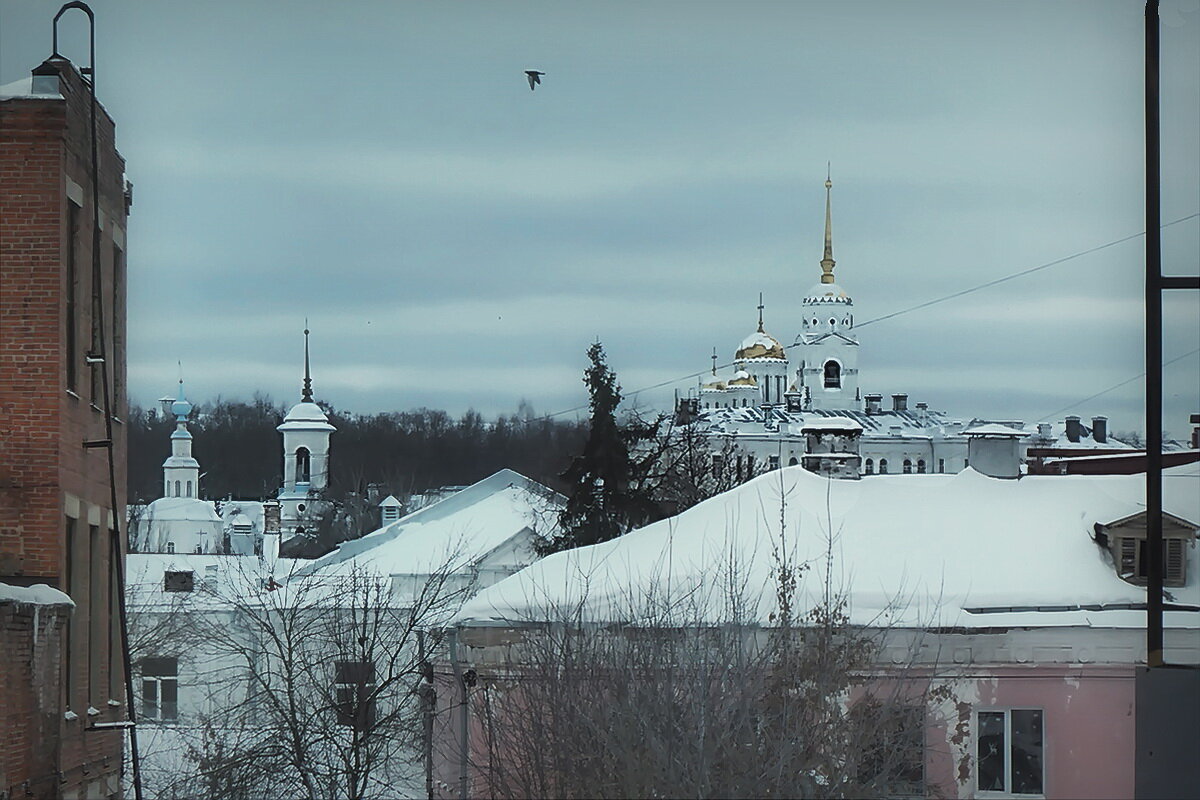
160,689
1010,752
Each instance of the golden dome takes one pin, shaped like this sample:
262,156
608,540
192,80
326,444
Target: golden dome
760,345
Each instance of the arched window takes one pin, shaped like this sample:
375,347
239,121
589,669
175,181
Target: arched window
792,461
833,375
199,549
177,489
883,466
920,466
870,466
189,489
170,547
303,465
907,466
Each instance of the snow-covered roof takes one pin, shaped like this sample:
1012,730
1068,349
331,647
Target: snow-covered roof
826,292
1086,441
927,550
306,416
41,87
216,578
754,421
456,531
185,509
390,502
37,595
831,424
994,429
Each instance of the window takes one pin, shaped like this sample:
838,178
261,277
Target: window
920,466
189,489
160,688
792,461
717,462
941,465
177,489
883,466
833,375
354,687
908,466
170,547
303,465
773,461
1009,751
182,581
72,333
1134,563
870,466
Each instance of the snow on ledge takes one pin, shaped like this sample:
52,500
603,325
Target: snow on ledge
37,595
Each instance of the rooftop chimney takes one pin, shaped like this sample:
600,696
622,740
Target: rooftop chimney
271,516
1073,429
900,402
1100,429
874,403
1045,430
994,450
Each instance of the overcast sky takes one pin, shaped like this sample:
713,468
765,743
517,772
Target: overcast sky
457,240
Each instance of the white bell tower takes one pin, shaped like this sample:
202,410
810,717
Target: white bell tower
181,472
827,375
306,431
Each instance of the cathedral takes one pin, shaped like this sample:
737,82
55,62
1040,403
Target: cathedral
806,406
181,522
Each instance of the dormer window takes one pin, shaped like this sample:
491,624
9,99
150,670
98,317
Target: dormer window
1126,541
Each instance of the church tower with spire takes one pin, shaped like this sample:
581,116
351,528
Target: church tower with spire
181,472
306,432
827,372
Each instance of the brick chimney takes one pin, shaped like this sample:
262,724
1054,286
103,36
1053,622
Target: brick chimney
1073,429
1100,429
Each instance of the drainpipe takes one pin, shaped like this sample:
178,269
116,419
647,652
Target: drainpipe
462,719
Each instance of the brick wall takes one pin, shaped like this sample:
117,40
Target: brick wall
51,486
30,702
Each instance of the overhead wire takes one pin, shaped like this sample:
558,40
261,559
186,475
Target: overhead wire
918,307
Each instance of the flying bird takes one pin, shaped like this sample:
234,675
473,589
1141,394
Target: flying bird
534,77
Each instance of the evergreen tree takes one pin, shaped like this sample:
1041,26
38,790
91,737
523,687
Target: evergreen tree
605,499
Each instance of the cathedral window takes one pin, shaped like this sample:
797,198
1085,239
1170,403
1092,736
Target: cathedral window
833,375
883,466
303,465
920,466
870,466
908,466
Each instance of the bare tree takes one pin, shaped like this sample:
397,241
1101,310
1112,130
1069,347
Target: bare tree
309,685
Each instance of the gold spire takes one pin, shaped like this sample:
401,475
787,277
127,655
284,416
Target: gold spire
827,262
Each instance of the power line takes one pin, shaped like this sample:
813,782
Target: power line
1139,376
926,304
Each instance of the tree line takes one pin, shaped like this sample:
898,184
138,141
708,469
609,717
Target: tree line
407,452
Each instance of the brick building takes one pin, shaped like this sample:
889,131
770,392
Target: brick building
57,520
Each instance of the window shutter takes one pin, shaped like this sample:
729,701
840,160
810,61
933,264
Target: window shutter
1173,561
1128,557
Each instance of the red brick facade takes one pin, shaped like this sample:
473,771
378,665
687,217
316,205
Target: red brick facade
56,511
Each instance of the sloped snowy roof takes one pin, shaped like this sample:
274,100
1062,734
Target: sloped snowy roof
37,595
907,550
32,88
994,429
458,530
753,421
831,424
183,509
